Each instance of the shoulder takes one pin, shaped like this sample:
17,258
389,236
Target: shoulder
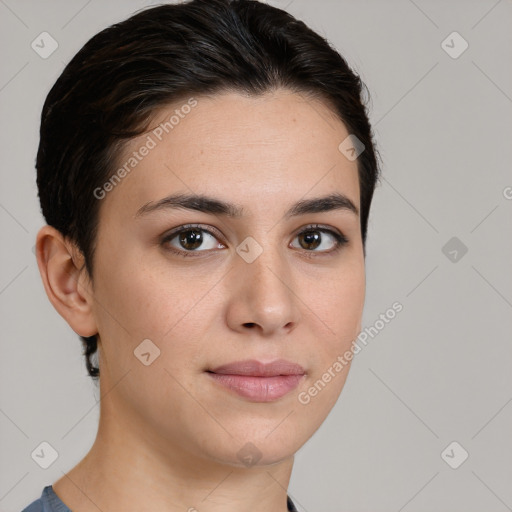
35,506
48,502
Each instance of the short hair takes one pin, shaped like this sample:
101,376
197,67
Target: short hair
112,88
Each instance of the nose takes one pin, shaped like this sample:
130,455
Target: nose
262,294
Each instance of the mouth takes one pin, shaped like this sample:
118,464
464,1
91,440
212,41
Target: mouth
257,381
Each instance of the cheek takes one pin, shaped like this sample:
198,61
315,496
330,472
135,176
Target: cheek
141,301
130,309
339,307
342,301
151,303
340,312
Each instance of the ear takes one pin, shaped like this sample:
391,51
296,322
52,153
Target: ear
66,280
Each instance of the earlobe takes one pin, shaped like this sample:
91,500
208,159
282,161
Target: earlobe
65,282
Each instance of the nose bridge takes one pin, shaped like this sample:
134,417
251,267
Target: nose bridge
264,259
264,288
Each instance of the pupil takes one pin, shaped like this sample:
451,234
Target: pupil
192,237
312,238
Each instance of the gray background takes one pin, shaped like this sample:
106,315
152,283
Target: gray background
437,373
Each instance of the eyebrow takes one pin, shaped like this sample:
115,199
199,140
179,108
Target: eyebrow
211,205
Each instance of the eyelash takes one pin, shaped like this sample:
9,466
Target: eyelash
340,240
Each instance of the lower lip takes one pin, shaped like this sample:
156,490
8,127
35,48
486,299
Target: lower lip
258,389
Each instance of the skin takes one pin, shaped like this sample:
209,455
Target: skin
168,436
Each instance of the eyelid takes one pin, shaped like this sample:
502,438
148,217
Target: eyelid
184,227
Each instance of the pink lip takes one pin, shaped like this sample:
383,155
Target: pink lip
259,382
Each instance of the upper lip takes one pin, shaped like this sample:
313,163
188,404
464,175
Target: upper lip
255,368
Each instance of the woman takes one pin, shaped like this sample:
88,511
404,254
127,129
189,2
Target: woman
206,172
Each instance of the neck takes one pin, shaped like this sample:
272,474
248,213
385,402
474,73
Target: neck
127,469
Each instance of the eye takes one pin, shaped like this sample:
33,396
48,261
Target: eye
191,237
312,237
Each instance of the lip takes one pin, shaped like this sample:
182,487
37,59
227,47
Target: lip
255,368
257,381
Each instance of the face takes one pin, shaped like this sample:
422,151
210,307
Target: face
270,283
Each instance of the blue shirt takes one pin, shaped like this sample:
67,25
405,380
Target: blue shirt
50,502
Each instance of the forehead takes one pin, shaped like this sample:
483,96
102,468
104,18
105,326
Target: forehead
257,150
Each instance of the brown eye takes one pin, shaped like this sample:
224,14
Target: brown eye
311,239
191,239
314,237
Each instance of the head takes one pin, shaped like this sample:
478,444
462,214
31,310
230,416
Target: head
228,118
